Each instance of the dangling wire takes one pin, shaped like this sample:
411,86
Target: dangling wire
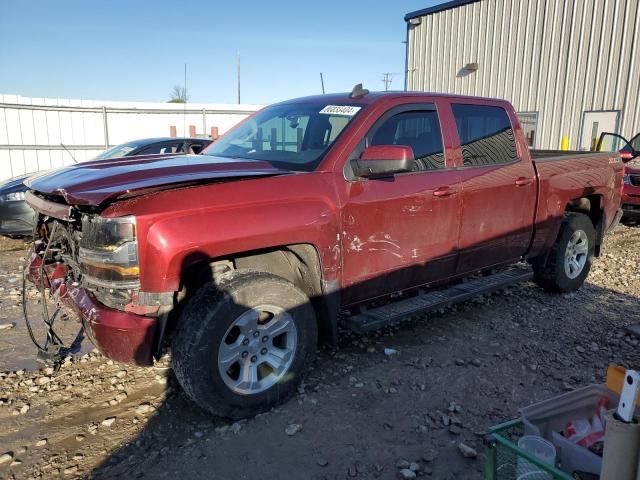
52,337
56,358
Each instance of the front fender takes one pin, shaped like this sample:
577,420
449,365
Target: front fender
180,227
174,244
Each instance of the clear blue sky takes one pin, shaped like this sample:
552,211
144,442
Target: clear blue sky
134,50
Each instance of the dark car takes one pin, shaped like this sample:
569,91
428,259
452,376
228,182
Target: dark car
156,146
17,218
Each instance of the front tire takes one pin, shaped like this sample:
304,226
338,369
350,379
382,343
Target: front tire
566,266
243,343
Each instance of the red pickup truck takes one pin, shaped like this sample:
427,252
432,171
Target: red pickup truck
345,209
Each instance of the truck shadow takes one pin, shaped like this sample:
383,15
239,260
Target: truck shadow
383,396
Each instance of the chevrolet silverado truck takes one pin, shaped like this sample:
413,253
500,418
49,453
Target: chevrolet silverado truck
355,210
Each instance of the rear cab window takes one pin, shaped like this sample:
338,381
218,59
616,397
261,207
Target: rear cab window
486,135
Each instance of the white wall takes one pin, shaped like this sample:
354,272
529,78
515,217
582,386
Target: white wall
33,129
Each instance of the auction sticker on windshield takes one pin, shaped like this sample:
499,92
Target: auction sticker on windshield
347,110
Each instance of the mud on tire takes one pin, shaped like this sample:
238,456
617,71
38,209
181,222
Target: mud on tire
218,344
576,241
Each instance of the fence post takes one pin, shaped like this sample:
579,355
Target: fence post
204,121
106,127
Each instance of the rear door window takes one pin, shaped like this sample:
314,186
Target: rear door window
486,135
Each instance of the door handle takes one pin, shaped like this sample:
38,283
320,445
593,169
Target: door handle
523,181
443,192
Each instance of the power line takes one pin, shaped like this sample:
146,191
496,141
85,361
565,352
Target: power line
387,78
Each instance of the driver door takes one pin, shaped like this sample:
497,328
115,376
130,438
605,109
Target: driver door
401,231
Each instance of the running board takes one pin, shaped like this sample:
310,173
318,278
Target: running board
400,310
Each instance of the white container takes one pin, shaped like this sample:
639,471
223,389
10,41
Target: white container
549,417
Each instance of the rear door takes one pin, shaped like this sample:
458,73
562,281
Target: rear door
401,231
498,188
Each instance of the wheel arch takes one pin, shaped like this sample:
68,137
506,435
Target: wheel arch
592,206
299,263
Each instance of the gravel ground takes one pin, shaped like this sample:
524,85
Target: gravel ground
360,413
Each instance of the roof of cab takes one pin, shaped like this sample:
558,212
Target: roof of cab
372,97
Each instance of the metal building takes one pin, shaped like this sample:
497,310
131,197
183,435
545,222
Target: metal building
571,68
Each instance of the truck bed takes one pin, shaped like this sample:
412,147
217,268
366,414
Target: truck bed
564,175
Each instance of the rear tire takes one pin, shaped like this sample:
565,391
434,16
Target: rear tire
243,343
567,264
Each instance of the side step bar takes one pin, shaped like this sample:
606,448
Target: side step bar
400,310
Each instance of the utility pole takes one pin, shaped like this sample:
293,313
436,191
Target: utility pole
322,82
387,79
238,78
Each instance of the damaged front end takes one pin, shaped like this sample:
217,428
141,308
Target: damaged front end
88,266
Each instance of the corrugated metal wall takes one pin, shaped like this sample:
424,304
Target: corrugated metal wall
559,58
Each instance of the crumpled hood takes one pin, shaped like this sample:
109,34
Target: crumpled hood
93,183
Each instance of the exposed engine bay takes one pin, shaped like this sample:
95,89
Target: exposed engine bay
50,262
86,253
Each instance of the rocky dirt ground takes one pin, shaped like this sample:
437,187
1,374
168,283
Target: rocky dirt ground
361,413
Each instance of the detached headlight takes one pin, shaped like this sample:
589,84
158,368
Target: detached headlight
12,197
627,179
109,251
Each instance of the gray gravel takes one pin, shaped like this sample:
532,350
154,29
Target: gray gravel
363,412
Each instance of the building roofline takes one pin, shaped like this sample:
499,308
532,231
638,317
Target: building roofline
437,8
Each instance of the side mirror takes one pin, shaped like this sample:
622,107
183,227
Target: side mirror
383,161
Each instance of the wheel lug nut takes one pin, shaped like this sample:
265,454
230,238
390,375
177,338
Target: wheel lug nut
245,341
254,358
264,351
244,354
256,334
264,339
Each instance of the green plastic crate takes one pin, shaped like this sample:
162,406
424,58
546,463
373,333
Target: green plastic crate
503,454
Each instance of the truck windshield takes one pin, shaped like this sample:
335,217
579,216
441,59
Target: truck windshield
295,136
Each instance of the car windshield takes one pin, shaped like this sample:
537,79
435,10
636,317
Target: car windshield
117,151
293,135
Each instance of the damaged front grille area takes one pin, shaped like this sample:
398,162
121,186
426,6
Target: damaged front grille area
100,254
51,264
